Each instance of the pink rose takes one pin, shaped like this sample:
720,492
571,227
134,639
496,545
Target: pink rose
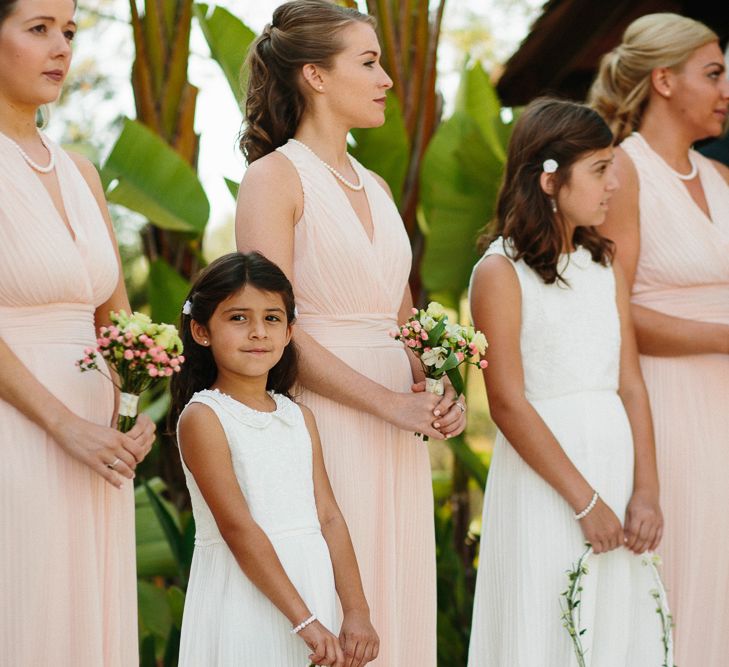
483,363
128,355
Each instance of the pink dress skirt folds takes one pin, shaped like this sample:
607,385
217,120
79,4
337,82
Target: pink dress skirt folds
67,558
348,292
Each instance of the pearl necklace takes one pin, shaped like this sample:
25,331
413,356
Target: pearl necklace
352,186
31,163
691,175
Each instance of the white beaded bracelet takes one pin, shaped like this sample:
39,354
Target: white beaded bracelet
589,508
303,624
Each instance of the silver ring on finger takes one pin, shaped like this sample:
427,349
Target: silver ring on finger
461,407
113,465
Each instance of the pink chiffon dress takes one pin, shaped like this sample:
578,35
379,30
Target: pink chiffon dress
67,557
683,271
348,293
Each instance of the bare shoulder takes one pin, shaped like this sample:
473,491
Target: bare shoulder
274,169
722,169
383,183
308,416
198,421
625,171
492,270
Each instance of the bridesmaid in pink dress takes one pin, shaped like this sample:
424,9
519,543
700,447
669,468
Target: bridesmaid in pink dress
333,228
67,557
670,221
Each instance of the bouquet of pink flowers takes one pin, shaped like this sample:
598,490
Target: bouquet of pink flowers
141,352
441,346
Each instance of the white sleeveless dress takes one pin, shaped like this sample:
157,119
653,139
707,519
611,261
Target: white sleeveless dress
570,347
227,620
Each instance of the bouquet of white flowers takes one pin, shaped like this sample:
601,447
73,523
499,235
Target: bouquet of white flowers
141,352
441,346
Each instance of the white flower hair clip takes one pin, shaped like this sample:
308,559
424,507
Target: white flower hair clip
187,307
550,166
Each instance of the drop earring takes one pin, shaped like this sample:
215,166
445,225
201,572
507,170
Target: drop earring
553,203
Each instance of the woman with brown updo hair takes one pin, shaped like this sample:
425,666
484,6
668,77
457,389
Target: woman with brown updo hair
332,226
662,89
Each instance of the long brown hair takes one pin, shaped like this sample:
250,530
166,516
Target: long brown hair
219,280
301,32
547,129
6,9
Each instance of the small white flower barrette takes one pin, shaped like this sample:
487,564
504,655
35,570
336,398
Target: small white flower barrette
187,307
550,166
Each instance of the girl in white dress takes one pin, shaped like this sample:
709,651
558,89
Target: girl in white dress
270,542
574,458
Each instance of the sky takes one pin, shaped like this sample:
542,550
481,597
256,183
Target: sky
218,118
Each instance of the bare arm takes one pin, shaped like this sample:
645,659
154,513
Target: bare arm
496,308
270,203
207,455
657,334
644,522
358,638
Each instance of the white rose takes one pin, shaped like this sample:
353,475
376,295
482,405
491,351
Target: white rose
435,357
479,340
435,310
427,322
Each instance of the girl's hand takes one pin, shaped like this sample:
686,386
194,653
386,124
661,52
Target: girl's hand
450,413
602,529
324,645
643,522
358,638
413,412
105,450
143,433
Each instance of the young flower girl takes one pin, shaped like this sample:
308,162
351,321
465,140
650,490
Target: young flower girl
270,541
574,459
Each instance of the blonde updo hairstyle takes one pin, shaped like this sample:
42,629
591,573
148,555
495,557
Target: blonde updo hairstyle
621,90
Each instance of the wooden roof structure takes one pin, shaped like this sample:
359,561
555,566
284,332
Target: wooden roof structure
561,53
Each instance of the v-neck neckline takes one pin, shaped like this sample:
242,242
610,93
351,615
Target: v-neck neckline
684,189
358,220
69,229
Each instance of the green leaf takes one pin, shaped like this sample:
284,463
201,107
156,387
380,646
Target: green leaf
435,333
229,39
477,97
166,290
385,149
176,599
232,187
147,176
155,616
170,528
454,375
470,459
154,557
459,182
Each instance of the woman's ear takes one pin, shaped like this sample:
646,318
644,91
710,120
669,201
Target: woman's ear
313,78
662,81
199,333
546,182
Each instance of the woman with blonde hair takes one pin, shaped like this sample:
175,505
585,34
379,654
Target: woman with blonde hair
661,90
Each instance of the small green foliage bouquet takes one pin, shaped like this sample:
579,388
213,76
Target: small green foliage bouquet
572,598
141,352
441,346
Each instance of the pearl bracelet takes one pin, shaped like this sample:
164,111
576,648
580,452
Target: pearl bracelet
589,508
303,624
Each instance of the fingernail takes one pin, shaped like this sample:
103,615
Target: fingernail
437,424
436,413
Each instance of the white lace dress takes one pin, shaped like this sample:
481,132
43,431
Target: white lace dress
227,621
570,347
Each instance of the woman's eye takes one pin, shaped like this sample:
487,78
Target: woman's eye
238,318
370,63
69,35
273,318
38,28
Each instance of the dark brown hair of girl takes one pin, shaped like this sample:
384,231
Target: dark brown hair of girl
6,9
547,129
301,32
219,280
